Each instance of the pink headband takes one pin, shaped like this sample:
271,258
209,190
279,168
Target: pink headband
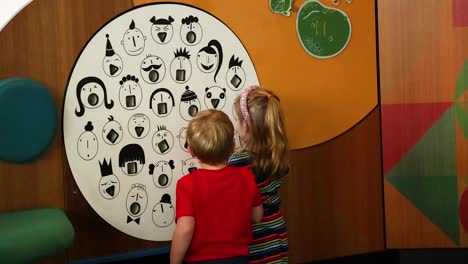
243,102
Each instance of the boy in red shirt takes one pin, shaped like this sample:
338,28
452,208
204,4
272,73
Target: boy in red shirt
216,204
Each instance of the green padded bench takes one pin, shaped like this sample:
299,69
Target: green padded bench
28,121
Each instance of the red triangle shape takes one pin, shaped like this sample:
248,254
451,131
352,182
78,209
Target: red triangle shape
403,125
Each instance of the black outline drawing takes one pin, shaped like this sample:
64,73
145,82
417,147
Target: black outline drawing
183,139
215,97
133,153
165,36
80,86
210,51
163,105
163,174
138,93
108,180
88,133
135,38
144,128
181,59
235,75
167,141
189,100
138,204
113,69
167,209
190,169
189,30
114,127
154,70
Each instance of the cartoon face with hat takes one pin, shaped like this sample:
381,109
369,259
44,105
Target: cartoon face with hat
162,29
235,76
162,173
163,140
181,67
109,185
137,200
152,69
130,92
133,40
163,212
112,62
190,31
162,102
189,104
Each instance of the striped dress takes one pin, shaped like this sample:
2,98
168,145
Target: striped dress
270,241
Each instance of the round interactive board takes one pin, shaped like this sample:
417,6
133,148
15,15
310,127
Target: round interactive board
134,88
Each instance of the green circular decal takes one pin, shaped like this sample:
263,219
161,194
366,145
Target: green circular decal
281,6
324,32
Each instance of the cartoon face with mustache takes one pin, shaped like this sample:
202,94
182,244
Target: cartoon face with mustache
153,69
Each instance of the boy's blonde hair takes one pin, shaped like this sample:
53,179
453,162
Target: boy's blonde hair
210,136
266,140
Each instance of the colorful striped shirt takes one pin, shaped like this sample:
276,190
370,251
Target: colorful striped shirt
270,240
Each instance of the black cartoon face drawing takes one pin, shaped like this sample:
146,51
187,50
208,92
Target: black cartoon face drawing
130,92
191,32
137,200
181,67
190,165
189,104
163,140
162,102
88,143
215,97
162,29
109,185
183,139
139,126
133,40
162,173
112,131
131,159
235,76
91,93
152,69
210,58
163,212
112,62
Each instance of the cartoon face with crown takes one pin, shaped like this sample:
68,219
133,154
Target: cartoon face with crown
109,185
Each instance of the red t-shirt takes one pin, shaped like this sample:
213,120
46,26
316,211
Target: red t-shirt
221,202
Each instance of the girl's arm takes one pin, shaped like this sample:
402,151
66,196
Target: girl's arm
257,214
182,237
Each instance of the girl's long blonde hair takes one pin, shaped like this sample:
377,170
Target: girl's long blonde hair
266,139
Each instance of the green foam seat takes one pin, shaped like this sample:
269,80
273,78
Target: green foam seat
28,119
31,235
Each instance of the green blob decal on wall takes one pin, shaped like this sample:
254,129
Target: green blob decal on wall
324,32
281,6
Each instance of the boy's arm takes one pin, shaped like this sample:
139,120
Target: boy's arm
182,237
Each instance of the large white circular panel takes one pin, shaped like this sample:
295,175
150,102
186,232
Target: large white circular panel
135,86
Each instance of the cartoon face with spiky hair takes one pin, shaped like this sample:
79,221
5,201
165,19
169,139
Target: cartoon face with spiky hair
88,143
181,67
161,29
109,185
152,69
191,32
163,140
133,40
112,132
235,76
130,92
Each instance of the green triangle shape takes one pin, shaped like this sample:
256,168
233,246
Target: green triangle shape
436,197
462,118
434,154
